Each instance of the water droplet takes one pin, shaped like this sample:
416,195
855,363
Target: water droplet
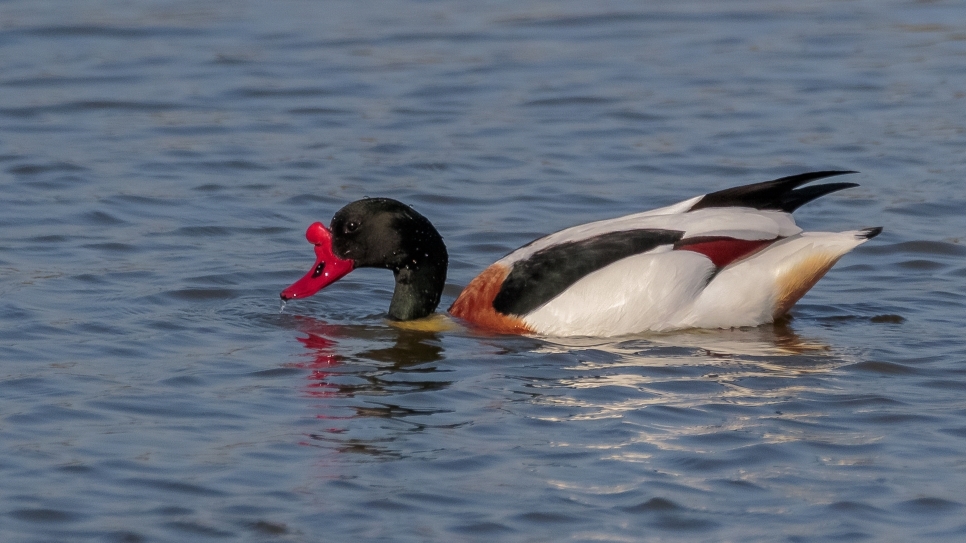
281,308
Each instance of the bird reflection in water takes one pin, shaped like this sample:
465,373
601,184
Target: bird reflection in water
761,369
361,372
322,354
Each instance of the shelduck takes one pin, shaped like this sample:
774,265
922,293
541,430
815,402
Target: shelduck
726,259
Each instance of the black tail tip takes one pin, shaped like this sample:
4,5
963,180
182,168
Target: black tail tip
869,233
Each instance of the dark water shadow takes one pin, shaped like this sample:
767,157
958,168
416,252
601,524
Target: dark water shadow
769,340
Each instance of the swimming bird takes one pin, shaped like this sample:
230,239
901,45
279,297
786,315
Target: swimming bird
726,259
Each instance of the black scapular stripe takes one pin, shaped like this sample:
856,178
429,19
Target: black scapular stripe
781,194
548,272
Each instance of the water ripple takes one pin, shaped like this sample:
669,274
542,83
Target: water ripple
160,165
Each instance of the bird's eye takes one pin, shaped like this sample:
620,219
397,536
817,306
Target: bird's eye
351,226
318,270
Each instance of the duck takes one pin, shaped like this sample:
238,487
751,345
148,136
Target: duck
727,259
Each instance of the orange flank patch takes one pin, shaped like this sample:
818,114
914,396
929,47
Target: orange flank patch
798,279
475,304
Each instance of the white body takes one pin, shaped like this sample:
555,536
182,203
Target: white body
665,289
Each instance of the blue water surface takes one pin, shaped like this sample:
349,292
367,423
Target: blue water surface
159,162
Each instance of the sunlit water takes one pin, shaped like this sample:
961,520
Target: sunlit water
159,162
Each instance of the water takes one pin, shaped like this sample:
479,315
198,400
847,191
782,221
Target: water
159,162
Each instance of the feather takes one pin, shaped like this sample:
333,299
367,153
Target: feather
779,194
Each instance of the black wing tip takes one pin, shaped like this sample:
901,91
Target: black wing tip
831,173
794,199
779,194
869,233
803,178
793,181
